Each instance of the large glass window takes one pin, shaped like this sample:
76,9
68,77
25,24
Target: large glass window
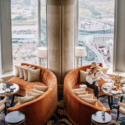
24,30
96,30
43,23
43,30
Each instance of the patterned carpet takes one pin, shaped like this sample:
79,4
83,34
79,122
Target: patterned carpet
60,118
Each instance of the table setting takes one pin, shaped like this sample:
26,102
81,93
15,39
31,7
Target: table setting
7,88
116,87
111,89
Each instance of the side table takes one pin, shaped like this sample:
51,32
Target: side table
11,93
15,118
110,96
98,120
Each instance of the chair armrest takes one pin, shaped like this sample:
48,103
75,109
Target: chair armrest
121,104
2,107
3,101
123,80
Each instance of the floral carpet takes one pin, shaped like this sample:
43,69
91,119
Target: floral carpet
60,118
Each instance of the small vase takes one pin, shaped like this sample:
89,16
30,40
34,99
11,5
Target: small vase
103,113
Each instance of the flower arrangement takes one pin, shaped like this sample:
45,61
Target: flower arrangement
117,81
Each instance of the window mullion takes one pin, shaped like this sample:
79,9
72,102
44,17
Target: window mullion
39,27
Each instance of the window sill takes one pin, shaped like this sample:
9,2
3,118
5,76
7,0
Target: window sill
8,74
112,73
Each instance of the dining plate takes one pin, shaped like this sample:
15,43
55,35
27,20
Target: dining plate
2,92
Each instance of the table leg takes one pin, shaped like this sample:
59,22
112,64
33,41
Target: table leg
12,100
5,109
109,101
121,99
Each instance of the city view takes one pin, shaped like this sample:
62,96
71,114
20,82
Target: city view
96,30
25,29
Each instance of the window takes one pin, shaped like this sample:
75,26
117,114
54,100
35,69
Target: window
24,30
43,30
96,30
43,23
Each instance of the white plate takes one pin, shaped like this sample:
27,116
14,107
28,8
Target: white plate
12,87
106,85
123,88
2,92
120,92
114,92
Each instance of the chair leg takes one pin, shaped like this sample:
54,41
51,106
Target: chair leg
12,100
109,102
117,114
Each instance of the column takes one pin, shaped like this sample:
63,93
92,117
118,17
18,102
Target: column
60,37
5,37
119,36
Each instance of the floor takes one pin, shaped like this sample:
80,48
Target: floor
60,118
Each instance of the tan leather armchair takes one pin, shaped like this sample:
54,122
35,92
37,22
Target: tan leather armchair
120,109
2,104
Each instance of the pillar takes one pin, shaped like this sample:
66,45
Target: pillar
60,38
119,36
5,37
